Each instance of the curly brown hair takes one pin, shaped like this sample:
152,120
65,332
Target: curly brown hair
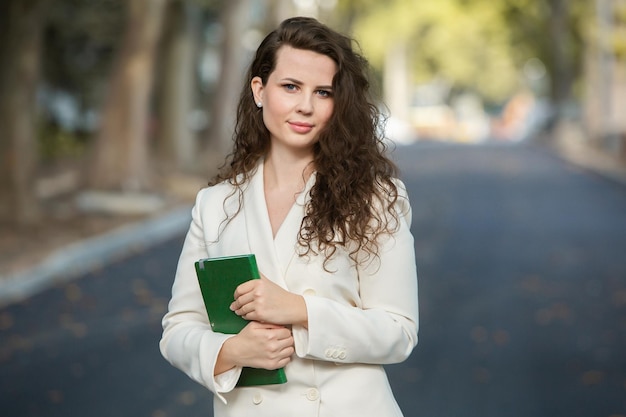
352,201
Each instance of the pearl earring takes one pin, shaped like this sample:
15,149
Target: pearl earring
259,104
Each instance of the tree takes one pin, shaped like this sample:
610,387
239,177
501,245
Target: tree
175,142
20,50
232,61
462,41
552,31
120,157
605,77
479,45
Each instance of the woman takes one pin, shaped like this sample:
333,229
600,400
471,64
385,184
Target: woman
309,191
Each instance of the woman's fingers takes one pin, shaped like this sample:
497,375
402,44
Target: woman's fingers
266,345
238,306
245,288
244,298
264,301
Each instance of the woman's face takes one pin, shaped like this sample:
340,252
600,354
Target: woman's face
297,99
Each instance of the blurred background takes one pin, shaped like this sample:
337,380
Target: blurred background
117,96
500,114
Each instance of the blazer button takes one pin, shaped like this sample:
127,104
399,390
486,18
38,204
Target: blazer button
329,353
342,355
257,398
312,394
309,292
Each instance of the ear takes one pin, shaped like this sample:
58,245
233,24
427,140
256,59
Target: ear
257,89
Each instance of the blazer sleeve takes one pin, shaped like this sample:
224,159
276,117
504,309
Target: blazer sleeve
383,329
188,342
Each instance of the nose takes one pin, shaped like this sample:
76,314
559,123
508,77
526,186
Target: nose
305,104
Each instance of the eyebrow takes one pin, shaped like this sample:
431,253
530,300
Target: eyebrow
298,82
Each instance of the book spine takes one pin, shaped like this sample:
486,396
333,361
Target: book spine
254,268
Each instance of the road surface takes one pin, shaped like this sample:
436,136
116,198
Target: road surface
522,277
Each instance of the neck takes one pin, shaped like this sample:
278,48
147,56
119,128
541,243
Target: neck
287,173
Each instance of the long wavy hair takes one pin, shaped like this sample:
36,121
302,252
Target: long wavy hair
351,202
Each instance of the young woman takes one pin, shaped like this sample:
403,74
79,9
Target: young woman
310,192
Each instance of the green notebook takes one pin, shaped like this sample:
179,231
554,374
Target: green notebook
218,278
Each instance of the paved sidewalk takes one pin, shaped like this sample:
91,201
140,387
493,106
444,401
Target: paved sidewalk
592,159
78,258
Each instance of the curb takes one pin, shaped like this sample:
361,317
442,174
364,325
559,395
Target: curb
584,156
596,165
79,258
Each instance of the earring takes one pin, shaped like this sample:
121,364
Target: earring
259,104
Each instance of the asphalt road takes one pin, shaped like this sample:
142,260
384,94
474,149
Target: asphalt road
522,274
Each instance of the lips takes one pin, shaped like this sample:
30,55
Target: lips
301,127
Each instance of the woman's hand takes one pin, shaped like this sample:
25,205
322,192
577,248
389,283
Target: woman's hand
258,345
264,301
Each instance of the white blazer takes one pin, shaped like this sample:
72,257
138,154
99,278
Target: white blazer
359,317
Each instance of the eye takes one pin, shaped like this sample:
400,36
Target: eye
325,93
290,87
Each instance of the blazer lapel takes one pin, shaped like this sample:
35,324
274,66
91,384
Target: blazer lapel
286,240
273,255
259,230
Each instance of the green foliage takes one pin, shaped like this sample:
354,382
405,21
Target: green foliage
619,31
478,45
463,42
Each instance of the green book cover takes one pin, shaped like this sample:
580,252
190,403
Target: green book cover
218,279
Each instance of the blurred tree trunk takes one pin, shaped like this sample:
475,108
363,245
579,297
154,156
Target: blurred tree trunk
232,61
562,73
396,86
176,145
120,158
605,81
20,50
599,74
